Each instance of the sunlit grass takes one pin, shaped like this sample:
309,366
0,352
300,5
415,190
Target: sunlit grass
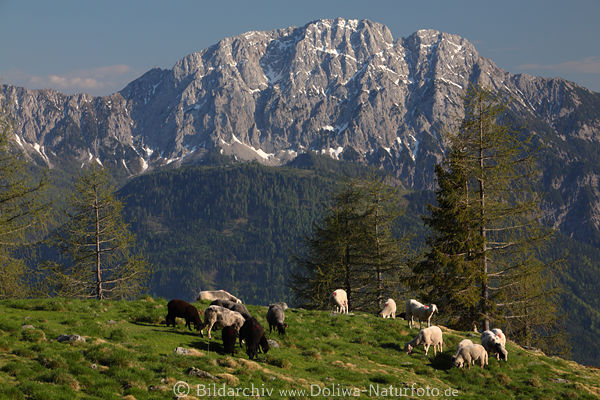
128,351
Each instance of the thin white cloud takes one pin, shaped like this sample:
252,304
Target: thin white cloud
590,65
98,81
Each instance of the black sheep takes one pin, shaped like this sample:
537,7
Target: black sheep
254,335
229,337
183,309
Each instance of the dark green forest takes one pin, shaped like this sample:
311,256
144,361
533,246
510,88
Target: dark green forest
230,227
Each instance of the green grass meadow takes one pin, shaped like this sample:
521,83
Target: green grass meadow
129,354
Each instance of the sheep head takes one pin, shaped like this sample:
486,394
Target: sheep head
503,353
458,361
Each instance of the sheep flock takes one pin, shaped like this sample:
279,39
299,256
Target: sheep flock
228,313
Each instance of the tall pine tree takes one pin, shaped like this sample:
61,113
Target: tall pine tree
24,213
486,234
385,257
332,257
352,248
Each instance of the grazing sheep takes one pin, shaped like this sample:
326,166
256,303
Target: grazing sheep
500,335
340,298
427,337
469,354
254,335
275,318
283,305
183,309
421,311
217,295
229,336
389,309
233,306
493,344
463,343
220,317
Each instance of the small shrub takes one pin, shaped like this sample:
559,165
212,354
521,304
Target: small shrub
151,316
11,392
51,305
60,377
33,335
24,352
535,382
110,356
278,362
380,378
52,361
4,346
312,353
503,379
117,335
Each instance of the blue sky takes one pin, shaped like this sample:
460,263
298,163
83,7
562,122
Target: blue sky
99,46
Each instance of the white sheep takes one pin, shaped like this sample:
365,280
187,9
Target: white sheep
431,336
283,305
493,344
340,298
469,354
220,317
217,295
421,311
389,309
463,343
500,335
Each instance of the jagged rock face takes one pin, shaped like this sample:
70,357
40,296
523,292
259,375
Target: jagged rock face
342,87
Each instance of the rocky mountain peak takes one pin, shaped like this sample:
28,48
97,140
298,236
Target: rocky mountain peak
340,87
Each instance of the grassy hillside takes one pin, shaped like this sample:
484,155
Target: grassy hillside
129,353
235,226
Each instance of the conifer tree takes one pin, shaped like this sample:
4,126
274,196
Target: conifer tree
352,248
24,213
332,256
97,246
385,257
486,231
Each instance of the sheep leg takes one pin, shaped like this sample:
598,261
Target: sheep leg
209,329
427,349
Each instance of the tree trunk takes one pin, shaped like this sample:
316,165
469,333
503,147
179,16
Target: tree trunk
484,284
99,289
380,300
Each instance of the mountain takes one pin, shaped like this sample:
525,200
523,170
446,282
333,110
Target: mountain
345,88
